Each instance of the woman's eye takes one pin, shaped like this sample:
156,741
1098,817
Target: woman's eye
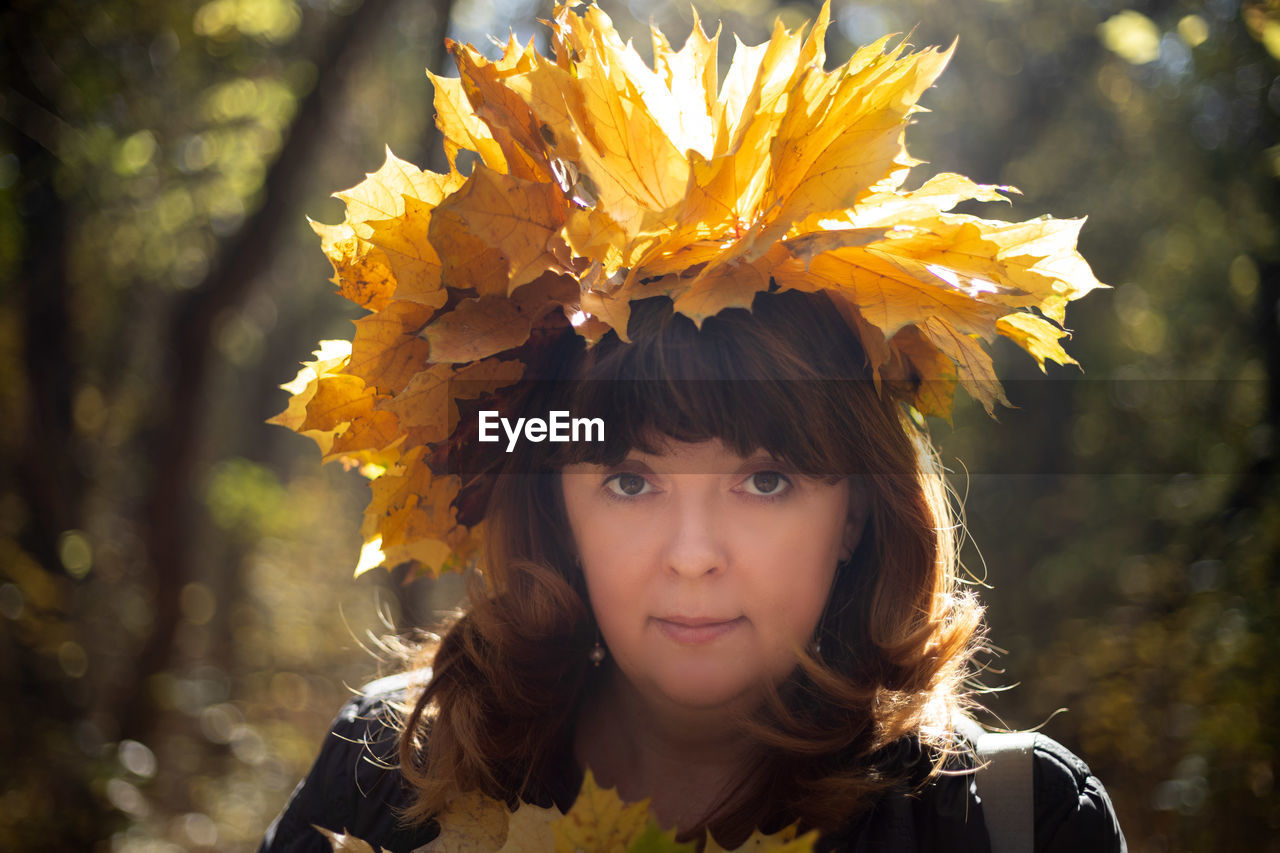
627,485
767,484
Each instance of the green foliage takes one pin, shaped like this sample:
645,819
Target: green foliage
653,839
247,500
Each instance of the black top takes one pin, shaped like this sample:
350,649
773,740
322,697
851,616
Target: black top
354,787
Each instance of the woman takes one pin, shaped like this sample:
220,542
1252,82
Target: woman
741,602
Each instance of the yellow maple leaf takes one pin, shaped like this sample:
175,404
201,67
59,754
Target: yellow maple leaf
484,377
387,351
857,141
940,193
329,359
917,361
786,840
422,408
511,221
886,296
462,129
973,364
480,327
381,194
337,400
430,555
696,61
475,823
613,312
599,822
1036,335
725,286
413,261
489,90
477,328
369,440
374,263
411,514
360,270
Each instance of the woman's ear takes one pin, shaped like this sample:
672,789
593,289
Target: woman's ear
859,509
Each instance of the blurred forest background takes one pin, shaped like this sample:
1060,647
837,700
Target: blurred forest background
178,621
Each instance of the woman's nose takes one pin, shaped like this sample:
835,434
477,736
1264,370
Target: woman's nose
695,545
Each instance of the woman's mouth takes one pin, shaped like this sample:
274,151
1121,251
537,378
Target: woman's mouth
696,630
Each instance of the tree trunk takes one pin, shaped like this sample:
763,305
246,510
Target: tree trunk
172,511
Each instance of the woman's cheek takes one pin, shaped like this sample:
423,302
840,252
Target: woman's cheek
617,575
793,575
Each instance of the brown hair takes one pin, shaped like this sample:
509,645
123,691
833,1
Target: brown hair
788,377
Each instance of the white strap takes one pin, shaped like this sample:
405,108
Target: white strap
1006,785
397,682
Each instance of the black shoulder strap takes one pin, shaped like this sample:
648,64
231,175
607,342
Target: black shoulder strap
1006,785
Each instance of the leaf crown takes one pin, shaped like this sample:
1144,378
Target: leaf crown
599,180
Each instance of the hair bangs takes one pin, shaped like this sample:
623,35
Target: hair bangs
676,382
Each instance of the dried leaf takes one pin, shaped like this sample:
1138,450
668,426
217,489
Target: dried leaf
412,259
491,89
973,364
429,556
471,823
387,351
696,61
486,376
367,439
857,139
886,296
477,328
614,312
329,359
725,286
461,128
507,217
529,830
424,407
344,843
411,508
381,194
874,343
1037,336
928,369
338,400
360,269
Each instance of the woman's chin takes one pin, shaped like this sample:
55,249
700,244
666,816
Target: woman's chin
703,688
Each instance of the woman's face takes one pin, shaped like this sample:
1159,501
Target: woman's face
706,570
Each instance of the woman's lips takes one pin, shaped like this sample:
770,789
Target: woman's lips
695,631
